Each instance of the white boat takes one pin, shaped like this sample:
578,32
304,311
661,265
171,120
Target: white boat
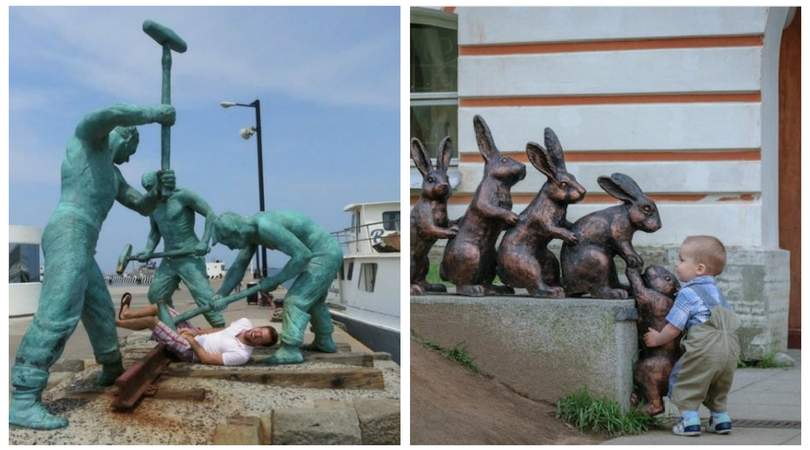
364,296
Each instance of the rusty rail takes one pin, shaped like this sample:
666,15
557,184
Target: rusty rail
133,383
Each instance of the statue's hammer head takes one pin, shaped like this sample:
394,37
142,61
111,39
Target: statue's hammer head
164,36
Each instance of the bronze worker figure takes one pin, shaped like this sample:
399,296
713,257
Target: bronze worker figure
470,257
524,261
429,221
588,267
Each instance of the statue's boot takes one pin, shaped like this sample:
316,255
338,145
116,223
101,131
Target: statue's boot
323,328
27,411
294,324
286,354
109,373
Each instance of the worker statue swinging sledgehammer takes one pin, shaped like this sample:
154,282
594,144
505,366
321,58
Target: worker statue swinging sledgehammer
315,258
74,288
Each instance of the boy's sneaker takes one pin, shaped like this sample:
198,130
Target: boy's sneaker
719,426
686,427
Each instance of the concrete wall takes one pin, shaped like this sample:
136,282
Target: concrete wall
542,348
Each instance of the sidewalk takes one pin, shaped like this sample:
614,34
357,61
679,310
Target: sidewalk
765,408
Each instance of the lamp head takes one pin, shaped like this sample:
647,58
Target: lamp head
246,133
227,104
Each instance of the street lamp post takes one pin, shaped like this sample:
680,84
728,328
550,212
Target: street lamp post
246,133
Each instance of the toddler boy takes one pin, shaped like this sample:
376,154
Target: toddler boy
710,345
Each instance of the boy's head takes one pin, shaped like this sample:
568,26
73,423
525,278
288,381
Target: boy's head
699,256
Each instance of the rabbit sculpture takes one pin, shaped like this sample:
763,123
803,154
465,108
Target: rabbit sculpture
655,293
470,257
587,266
429,221
524,261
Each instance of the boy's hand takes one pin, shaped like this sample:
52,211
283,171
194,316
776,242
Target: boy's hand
651,338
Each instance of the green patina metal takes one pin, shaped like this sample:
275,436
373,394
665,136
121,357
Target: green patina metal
315,257
173,220
74,288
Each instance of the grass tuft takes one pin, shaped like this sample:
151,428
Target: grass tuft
767,362
460,355
602,415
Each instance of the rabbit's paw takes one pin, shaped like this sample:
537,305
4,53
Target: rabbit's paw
470,290
610,293
546,292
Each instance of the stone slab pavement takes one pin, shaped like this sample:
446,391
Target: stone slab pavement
771,395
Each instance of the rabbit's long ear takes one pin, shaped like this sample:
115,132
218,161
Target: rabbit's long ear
555,149
445,152
486,145
616,189
541,159
420,156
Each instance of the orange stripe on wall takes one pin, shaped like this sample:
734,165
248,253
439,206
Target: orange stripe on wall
448,9
590,198
747,97
743,155
601,46
518,199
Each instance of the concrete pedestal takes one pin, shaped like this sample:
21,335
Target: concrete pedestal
541,348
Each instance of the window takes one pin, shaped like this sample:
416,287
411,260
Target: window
391,220
351,269
368,276
434,78
23,263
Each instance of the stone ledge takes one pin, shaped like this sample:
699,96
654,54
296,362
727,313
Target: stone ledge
541,348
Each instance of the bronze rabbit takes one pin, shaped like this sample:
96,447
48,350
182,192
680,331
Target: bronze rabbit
524,261
429,221
588,266
655,293
470,257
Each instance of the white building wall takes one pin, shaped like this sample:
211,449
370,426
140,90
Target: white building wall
703,97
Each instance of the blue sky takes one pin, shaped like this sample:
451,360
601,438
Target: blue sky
328,80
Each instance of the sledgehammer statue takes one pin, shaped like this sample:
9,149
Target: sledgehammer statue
74,287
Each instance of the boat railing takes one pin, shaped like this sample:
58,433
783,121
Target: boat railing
363,237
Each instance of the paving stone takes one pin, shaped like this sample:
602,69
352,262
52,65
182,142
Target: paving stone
330,403
230,434
70,365
379,421
308,426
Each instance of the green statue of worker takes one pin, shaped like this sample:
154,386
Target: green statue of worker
315,257
173,220
73,288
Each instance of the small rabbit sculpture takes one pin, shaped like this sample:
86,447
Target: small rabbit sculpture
655,293
587,266
470,257
429,221
524,261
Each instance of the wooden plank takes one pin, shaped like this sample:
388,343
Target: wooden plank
332,378
179,394
350,358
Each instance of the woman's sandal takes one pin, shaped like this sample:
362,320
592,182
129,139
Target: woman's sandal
126,299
